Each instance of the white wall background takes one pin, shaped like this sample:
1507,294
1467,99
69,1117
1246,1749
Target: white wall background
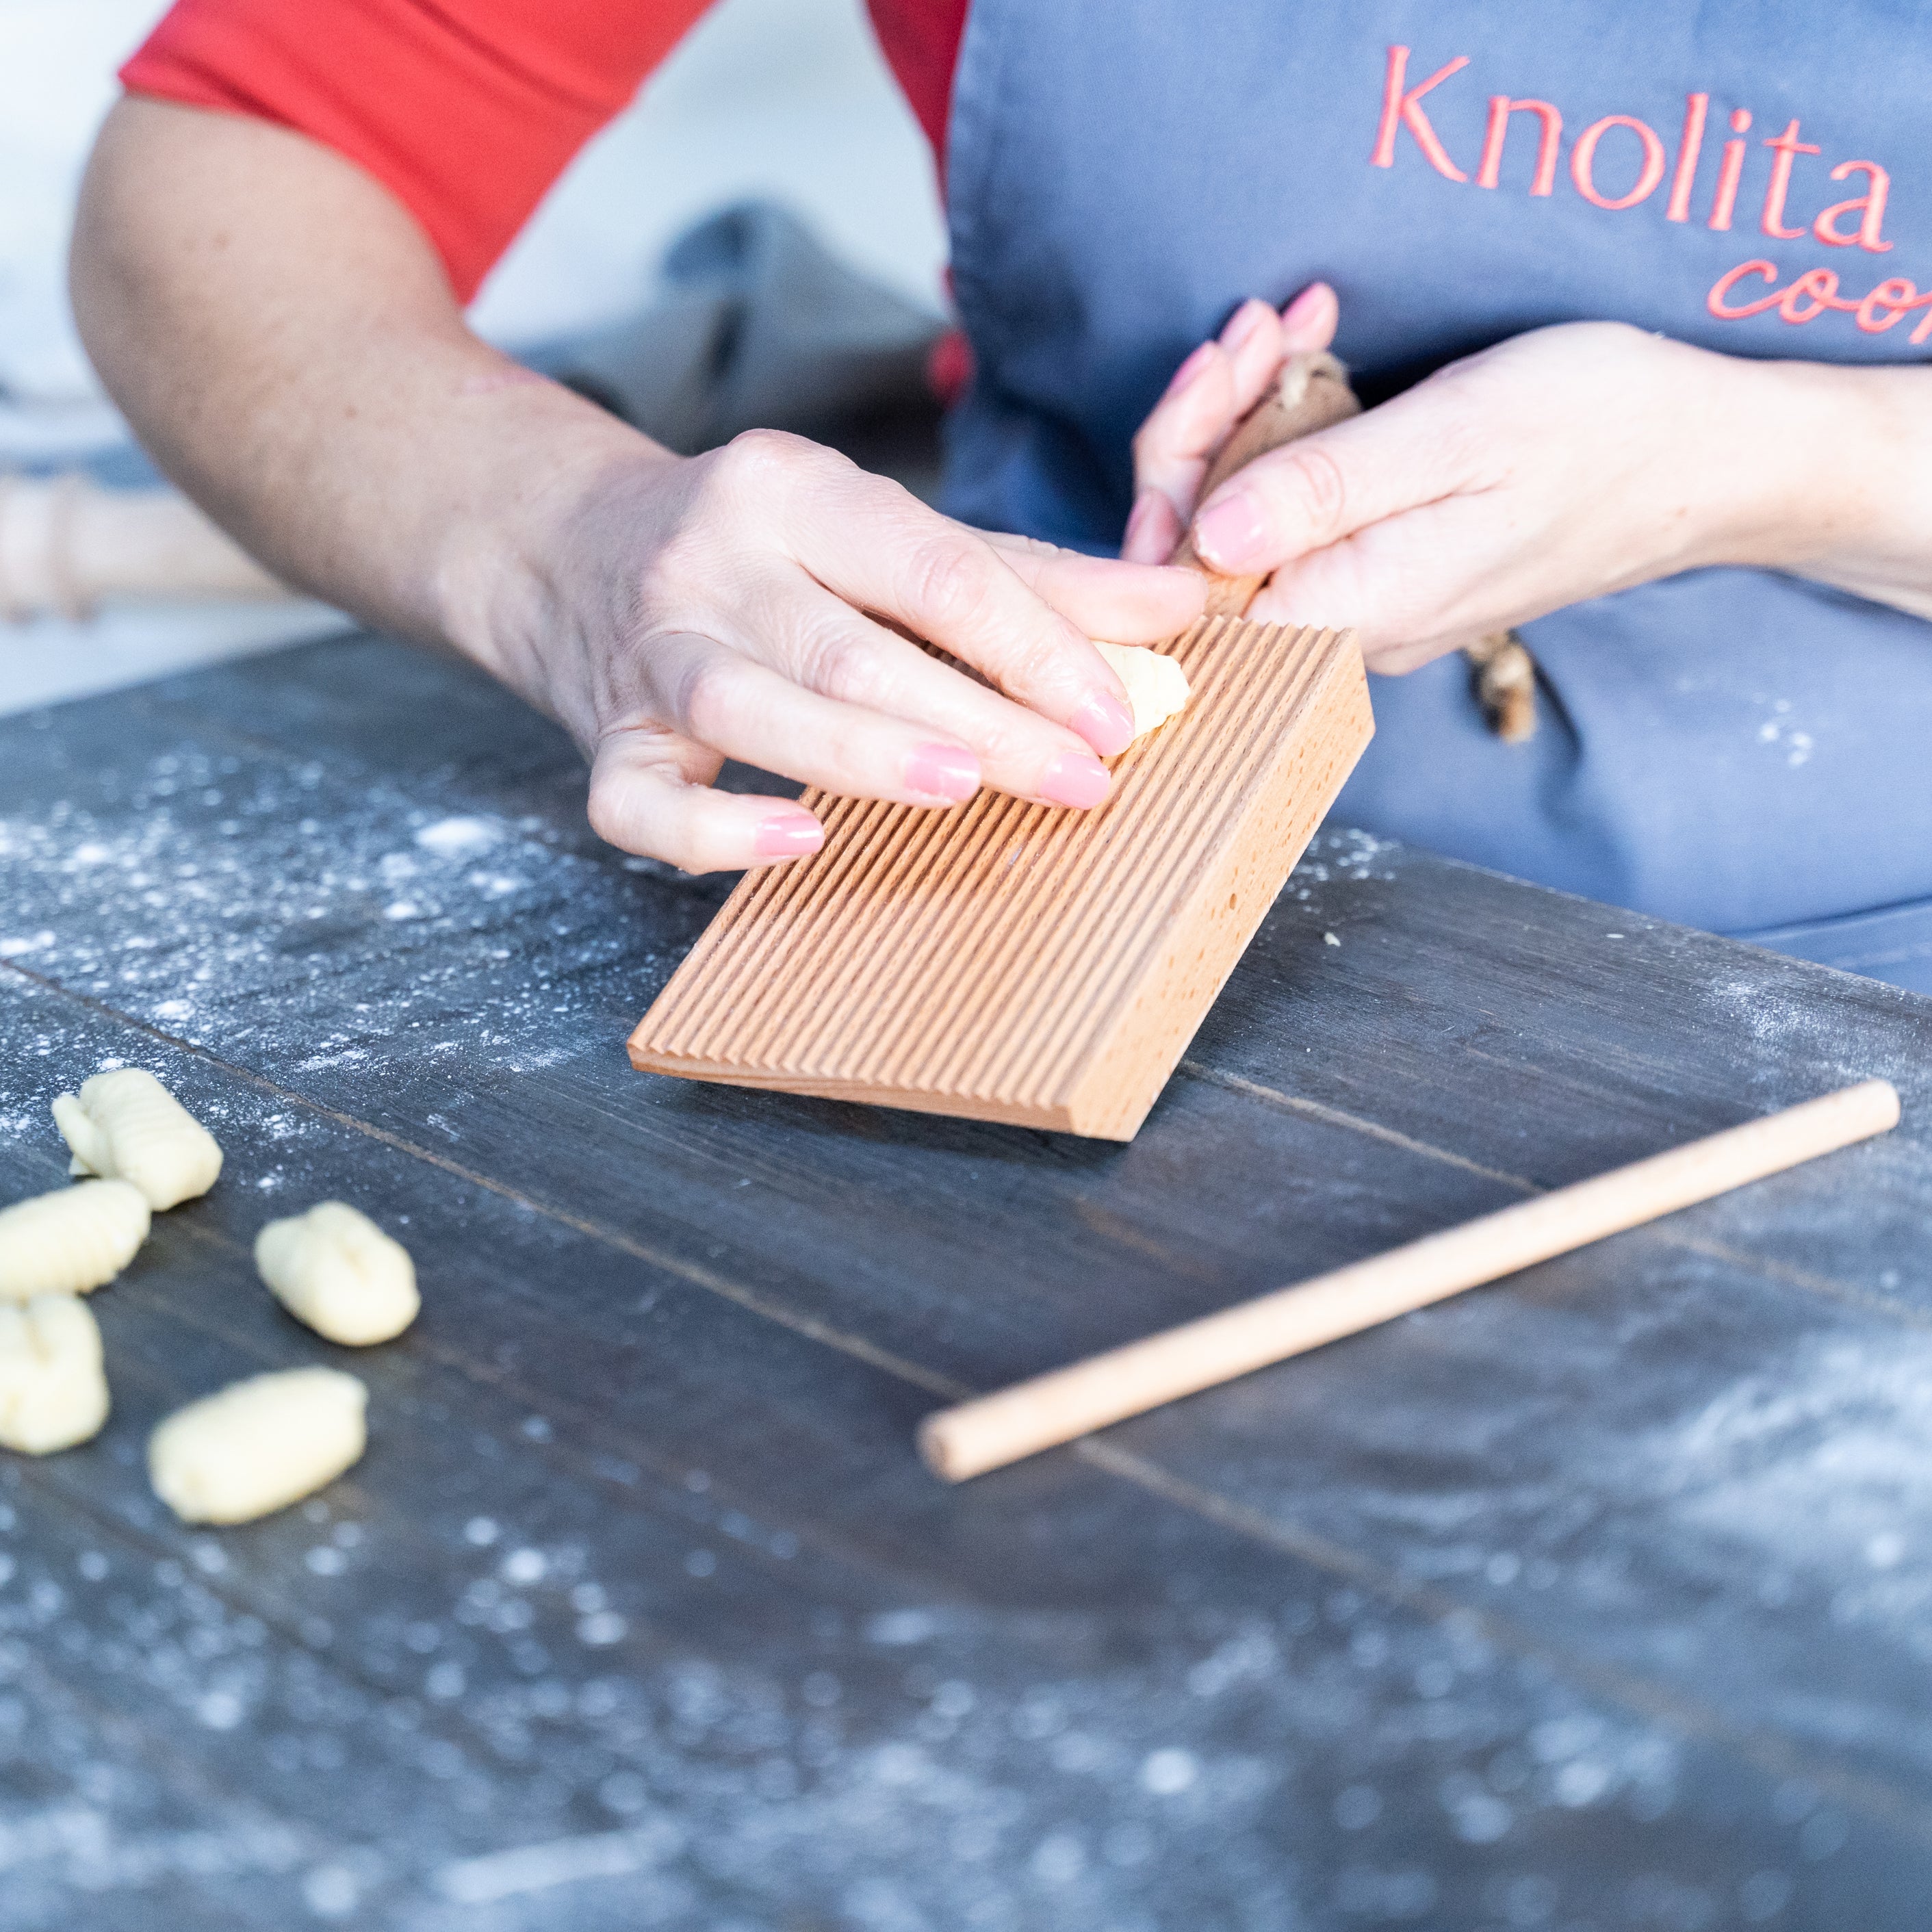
787,99
57,62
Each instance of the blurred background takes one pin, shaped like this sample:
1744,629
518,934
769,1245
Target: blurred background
783,106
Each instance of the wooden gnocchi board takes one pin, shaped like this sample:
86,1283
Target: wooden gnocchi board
1014,962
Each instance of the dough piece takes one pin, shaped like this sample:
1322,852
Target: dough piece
71,1241
1157,685
53,1393
335,1270
258,1445
126,1126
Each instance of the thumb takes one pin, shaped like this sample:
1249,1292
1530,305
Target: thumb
1327,487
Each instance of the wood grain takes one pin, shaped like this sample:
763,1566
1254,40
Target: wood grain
1011,962
993,1430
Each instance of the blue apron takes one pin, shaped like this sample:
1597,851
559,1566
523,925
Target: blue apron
1735,749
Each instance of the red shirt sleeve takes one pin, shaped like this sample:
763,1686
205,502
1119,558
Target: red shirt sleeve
467,110
466,113
921,39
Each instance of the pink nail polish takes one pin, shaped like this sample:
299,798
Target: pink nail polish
1306,308
1229,534
1105,722
942,771
1299,308
1192,367
788,835
1242,324
1074,781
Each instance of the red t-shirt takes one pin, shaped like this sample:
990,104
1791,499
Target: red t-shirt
467,110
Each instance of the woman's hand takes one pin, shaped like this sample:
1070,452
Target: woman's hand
1217,385
748,604
282,334
1559,466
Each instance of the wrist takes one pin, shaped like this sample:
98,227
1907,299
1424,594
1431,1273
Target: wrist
1829,466
524,585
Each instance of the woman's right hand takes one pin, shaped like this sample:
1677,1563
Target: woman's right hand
286,342
749,604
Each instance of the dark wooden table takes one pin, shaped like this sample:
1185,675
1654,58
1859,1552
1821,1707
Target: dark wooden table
1601,1599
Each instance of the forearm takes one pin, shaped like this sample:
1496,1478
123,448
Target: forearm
281,336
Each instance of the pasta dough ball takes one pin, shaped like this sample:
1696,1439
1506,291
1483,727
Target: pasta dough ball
335,1270
126,1126
53,1393
1156,686
258,1445
71,1241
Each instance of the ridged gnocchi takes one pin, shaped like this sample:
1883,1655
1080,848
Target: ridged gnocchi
53,1392
1157,687
126,1126
258,1445
72,1241
335,1270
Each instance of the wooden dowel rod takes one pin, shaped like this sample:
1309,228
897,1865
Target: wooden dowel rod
992,1430
67,544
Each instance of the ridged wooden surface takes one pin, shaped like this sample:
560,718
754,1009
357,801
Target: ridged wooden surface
985,961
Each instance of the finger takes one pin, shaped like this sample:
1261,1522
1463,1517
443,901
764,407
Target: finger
870,543
1251,340
866,715
719,697
844,657
1212,391
1410,587
1153,530
1315,492
1172,448
1128,604
1308,322
642,801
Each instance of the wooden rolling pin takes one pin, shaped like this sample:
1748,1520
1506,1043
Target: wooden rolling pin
68,544
993,1430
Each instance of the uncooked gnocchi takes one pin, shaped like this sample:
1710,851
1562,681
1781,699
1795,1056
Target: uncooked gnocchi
71,1241
53,1393
335,1270
258,1445
1156,686
126,1126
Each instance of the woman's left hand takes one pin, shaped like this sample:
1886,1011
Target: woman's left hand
1559,465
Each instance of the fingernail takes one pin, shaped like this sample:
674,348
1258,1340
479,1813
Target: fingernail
1137,522
942,771
1074,781
1242,323
1192,367
1304,304
1228,533
1106,723
788,835
1307,306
